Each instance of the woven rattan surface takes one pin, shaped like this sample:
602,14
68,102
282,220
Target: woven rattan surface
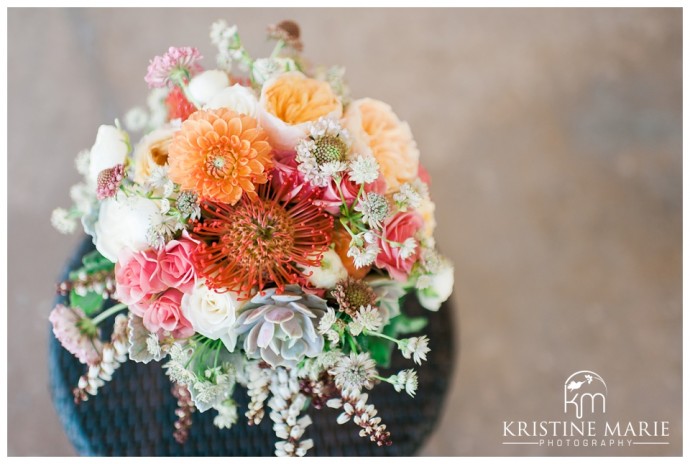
133,415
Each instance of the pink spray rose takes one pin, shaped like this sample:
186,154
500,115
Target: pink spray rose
398,229
174,259
165,313
137,276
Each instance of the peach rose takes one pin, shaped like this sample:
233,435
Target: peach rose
291,101
152,151
376,130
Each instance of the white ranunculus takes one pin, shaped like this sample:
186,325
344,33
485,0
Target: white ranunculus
439,289
203,87
123,223
109,150
238,98
211,314
328,273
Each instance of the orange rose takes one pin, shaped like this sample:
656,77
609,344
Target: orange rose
376,130
291,101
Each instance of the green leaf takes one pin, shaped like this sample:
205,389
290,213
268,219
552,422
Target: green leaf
402,324
89,303
91,263
380,349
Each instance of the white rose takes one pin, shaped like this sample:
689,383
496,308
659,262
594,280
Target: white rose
267,68
439,289
211,314
238,98
109,150
328,273
203,87
122,223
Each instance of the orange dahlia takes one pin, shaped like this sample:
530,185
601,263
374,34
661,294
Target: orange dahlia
219,154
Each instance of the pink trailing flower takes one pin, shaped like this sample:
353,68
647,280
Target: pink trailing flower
396,260
182,60
74,334
165,313
175,261
137,277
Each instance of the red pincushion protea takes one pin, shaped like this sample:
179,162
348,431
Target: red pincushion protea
260,240
178,105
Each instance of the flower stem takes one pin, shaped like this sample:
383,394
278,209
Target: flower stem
353,346
277,49
380,335
107,313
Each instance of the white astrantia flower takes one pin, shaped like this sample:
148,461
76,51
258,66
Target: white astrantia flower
221,33
415,348
440,286
325,327
268,68
364,169
136,119
206,85
81,162
374,209
62,221
327,321
354,372
238,98
407,247
82,196
211,313
367,318
407,197
323,154
405,380
329,272
153,346
363,255
158,110
162,228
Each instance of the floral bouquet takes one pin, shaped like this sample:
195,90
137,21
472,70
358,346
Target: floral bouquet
261,233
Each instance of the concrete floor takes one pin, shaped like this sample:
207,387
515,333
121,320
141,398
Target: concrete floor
553,138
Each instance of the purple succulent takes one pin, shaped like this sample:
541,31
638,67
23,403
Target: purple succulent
280,329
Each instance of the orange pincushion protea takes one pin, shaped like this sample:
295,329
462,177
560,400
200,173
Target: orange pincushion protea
219,154
267,240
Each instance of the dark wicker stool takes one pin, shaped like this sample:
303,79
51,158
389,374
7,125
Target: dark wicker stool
133,415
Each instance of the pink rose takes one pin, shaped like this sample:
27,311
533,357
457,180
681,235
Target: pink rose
329,197
398,229
137,276
175,261
165,313
287,180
